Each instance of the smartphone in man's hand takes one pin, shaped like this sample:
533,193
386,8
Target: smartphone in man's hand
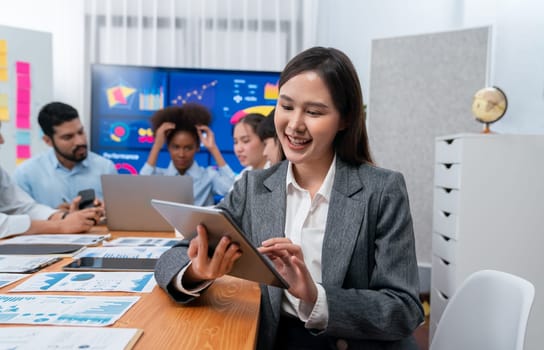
87,198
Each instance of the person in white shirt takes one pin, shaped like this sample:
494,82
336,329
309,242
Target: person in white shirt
20,214
336,227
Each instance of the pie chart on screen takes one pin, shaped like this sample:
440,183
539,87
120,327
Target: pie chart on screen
264,110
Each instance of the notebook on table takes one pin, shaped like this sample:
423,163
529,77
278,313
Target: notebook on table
127,200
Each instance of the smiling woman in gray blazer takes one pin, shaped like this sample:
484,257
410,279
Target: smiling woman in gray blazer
341,231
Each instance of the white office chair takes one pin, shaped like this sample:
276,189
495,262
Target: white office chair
489,311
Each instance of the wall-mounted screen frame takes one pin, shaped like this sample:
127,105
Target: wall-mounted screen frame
123,99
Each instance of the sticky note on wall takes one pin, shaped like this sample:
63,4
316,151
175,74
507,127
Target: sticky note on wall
4,111
22,68
23,151
22,121
3,60
4,114
22,137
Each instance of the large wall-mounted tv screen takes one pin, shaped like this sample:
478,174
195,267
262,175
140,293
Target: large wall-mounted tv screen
124,98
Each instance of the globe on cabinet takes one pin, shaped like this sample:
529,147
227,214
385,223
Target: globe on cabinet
489,105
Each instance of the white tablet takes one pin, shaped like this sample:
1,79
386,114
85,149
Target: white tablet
252,265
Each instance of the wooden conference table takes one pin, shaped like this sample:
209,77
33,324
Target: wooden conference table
225,317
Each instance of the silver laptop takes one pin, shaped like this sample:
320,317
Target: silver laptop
128,200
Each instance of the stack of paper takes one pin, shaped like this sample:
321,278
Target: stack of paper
31,338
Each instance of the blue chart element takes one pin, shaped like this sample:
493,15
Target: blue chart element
6,317
109,308
140,284
83,277
53,279
82,319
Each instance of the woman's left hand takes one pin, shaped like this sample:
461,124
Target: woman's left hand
289,261
206,135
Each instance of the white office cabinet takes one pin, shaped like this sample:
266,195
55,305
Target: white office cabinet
488,214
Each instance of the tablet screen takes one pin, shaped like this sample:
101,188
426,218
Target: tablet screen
111,264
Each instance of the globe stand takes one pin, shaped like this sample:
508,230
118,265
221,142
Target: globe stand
486,129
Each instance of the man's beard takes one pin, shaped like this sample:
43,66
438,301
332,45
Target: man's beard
72,157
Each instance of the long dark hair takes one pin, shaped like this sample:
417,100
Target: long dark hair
338,73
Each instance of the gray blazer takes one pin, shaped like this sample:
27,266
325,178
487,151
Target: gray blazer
369,267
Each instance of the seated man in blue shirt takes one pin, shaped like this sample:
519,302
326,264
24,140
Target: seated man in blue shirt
55,177
20,214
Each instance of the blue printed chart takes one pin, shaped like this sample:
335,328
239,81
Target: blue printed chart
126,252
95,311
8,278
91,281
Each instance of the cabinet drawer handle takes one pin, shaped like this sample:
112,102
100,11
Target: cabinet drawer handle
446,189
444,296
446,262
445,213
445,238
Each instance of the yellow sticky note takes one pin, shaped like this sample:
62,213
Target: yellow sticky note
3,100
3,60
3,46
4,114
3,74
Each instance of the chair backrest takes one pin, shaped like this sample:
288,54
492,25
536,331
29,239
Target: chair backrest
488,311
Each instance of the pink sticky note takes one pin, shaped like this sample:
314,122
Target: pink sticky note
23,96
22,121
23,109
23,81
22,67
23,151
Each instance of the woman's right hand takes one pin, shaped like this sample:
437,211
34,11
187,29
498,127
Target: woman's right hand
160,133
204,267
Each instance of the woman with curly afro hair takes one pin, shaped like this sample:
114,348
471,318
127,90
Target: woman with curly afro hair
183,129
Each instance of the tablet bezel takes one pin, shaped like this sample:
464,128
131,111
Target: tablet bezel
110,264
252,265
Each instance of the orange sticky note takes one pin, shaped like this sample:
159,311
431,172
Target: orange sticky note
3,100
4,114
3,60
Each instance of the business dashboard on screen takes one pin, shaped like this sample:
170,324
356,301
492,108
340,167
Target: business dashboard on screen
124,98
